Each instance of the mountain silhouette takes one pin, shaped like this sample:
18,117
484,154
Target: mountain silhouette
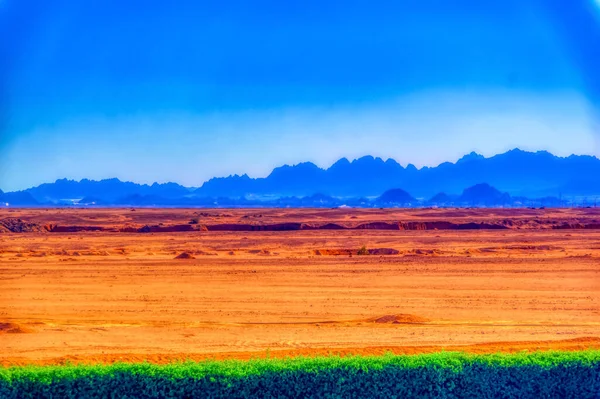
483,194
18,198
515,174
104,190
442,199
395,196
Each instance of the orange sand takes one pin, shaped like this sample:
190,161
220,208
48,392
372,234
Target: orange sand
111,296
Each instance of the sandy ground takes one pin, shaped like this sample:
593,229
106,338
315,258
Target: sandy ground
112,296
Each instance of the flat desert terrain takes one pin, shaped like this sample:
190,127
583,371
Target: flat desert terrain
105,285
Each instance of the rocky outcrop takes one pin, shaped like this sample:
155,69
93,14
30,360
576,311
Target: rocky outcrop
14,225
184,255
75,229
348,252
166,228
383,251
378,226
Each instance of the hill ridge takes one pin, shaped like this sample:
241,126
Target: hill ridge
516,173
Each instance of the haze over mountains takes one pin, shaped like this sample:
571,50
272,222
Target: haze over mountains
505,179
517,172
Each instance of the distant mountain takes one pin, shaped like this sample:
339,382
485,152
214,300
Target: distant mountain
232,185
312,201
580,187
353,183
517,172
17,198
366,176
472,156
105,190
156,200
479,195
442,199
484,194
92,201
395,196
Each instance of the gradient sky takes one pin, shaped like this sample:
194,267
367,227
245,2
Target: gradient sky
183,91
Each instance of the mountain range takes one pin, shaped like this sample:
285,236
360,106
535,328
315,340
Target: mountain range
517,172
504,179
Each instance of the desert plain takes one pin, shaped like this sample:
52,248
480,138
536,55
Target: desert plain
106,285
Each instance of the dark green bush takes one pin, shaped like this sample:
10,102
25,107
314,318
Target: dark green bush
444,375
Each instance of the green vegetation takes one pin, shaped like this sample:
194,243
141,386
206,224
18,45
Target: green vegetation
363,251
441,375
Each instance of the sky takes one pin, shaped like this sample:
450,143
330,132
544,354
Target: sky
183,91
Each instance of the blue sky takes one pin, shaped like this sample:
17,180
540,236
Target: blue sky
151,91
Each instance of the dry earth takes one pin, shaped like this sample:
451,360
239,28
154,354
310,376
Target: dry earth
162,293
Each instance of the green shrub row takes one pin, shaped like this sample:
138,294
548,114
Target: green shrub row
441,375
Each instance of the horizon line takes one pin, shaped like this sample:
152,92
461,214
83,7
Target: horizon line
472,153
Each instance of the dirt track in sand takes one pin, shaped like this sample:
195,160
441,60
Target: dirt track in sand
110,296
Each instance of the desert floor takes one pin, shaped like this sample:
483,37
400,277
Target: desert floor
104,296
